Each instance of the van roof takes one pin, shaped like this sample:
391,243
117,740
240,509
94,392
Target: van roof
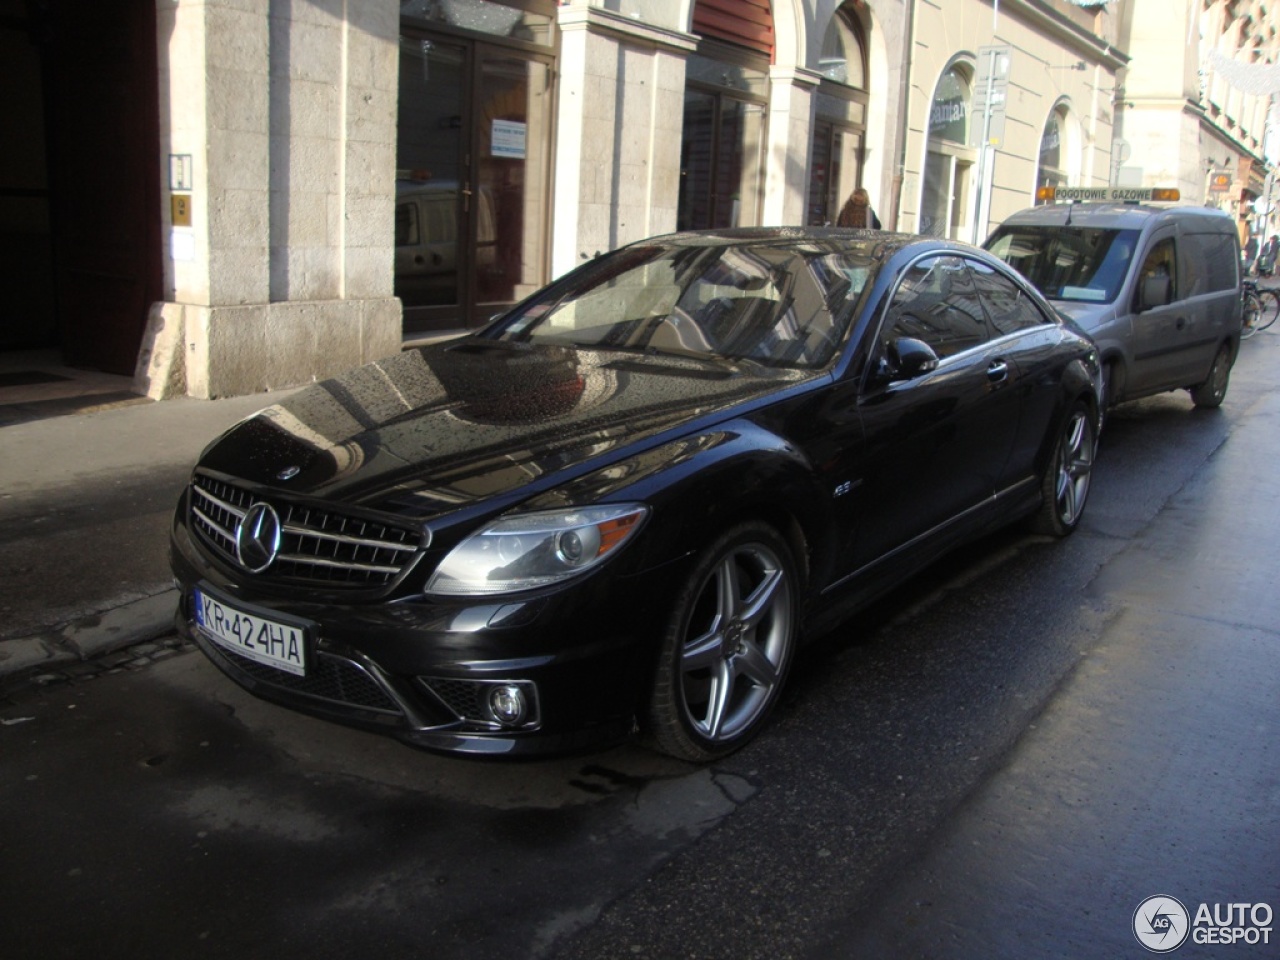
1122,216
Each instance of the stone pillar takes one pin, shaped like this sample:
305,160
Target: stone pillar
791,112
617,175
286,112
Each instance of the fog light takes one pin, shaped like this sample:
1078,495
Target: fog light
508,705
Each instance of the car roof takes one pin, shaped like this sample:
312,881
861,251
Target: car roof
1122,216
888,242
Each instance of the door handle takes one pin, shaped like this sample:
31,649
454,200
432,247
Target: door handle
998,372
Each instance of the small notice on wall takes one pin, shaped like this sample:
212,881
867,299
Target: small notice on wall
182,244
509,138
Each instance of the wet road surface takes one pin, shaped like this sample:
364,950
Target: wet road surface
1002,759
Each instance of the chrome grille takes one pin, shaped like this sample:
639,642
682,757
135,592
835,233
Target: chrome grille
317,546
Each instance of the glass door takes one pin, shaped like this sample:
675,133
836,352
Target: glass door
432,175
509,196
471,180
720,162
836,171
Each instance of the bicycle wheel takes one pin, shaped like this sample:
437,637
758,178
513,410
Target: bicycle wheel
1251,314
1269,309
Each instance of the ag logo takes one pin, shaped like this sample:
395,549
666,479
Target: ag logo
258,538
1161,924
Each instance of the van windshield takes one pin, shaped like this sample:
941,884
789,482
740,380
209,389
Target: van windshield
1086,265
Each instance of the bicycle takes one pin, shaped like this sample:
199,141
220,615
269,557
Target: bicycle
1250,309
1268,307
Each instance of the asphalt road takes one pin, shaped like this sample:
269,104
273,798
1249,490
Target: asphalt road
1002,759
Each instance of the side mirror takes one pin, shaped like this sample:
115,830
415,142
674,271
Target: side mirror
1156,291
904,359
911,358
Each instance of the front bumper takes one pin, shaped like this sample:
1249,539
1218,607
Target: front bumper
422,670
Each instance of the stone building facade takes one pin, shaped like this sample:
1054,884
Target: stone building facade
324,180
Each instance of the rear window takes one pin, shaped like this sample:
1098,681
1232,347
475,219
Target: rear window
1084,265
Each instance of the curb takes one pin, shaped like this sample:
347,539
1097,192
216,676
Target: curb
89,637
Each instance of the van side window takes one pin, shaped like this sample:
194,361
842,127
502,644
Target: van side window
1210,263
1008,307
937,302
1161,261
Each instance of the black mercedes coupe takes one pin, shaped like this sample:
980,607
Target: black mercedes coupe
622,505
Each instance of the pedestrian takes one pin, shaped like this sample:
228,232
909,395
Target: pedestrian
857,212
1267,259
1250,253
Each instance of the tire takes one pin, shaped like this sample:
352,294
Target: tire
1105,401
728,647
1250,315
1210,394
1270,309
1065,486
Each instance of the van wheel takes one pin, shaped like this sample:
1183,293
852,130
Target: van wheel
1211,393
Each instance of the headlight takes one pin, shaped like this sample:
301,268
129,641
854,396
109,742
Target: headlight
535,549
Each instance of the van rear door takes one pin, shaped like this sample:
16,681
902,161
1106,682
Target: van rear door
1211,267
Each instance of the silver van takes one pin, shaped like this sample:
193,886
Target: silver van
1158,289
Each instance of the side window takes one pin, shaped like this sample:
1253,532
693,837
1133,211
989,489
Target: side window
937,302
1161,261
1210,263
1009,308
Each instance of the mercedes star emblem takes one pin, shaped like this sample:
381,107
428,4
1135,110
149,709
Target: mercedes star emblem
258,538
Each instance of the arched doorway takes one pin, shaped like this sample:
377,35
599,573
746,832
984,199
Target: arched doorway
944,197
1056,155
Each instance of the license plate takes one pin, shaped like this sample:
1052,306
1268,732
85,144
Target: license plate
261,639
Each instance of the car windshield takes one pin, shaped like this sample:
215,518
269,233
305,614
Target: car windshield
783,306
1083,264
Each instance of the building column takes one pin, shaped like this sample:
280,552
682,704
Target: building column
621,108
790,145
278,162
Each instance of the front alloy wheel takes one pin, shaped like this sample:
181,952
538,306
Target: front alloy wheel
1066,483
728,648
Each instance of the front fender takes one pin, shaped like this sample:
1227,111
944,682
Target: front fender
700,485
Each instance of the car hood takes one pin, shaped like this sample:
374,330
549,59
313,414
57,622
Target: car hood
1086,316
437,428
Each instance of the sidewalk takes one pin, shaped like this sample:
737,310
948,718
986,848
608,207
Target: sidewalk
90,473
85,504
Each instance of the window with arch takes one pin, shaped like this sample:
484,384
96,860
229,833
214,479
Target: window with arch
944,195
1052,170
840,122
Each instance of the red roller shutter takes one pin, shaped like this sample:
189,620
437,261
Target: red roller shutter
747,23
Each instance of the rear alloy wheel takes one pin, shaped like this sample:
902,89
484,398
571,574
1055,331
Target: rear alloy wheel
1213,391
1066,482
728,647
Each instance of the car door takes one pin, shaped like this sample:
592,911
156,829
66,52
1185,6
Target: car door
1160,330
935,444
1028,338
